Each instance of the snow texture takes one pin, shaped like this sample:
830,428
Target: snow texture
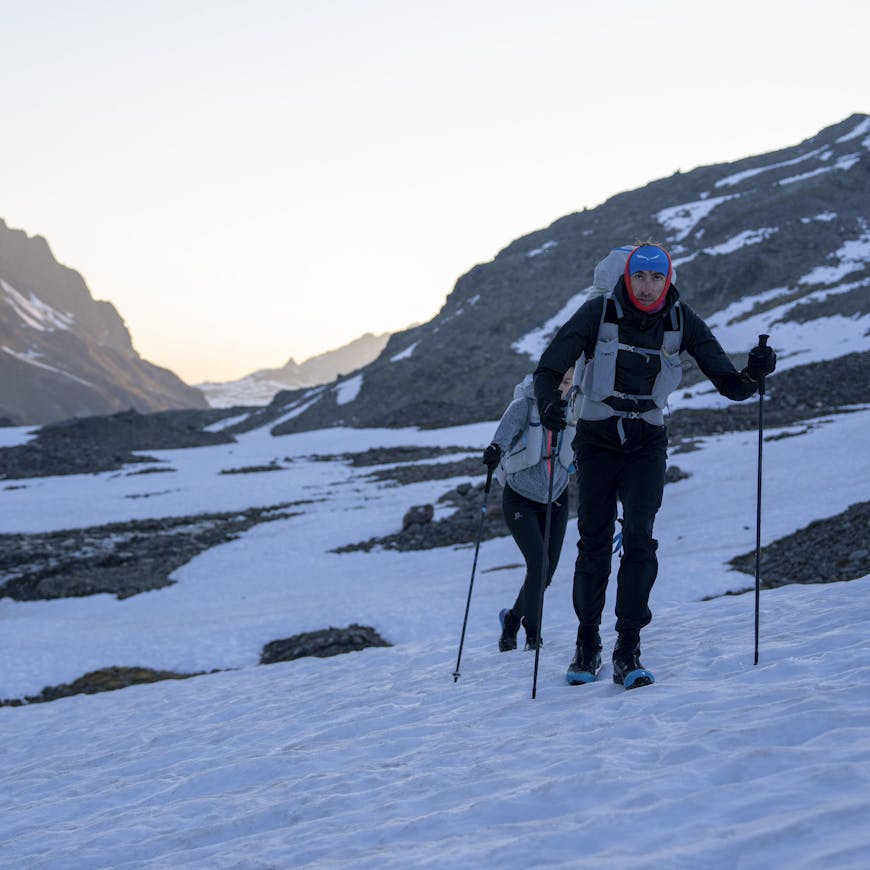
738,177
533,343
852,256
32,357
862,128
405,354
844,163
680,220
546,246
348,390
378,759
34,312
747,237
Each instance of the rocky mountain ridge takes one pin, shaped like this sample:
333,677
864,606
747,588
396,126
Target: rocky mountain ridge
64,354
788,229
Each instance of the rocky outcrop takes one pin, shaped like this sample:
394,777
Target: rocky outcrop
321,644
93,444
791,397
64,354
826,551
778,220
121,559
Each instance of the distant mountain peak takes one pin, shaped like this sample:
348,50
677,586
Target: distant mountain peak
64,354
260,387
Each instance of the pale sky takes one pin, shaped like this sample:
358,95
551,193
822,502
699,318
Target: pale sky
250,181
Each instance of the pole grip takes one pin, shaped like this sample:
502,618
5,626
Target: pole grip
762,342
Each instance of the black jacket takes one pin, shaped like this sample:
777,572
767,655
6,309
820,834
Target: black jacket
635,374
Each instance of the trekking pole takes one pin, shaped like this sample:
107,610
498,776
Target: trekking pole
762,342
545,560
486,489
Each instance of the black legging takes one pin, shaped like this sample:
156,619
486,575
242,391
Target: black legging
526,520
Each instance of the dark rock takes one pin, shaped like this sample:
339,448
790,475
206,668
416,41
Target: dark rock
418,515
823,552
464,524
324,643
253,469
121,559
93,444
792,397
103,680
387,455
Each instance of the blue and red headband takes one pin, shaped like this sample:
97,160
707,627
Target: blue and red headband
648,258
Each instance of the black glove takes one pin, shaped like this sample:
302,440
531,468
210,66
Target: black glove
492,456
762,361
551,409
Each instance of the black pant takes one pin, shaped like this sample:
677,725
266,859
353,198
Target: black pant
636,476
526,520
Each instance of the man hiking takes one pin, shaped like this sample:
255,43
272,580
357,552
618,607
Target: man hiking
626,346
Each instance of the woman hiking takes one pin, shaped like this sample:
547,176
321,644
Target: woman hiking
521,455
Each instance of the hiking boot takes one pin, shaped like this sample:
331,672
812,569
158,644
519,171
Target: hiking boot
587,658
533,638
510,625
627,668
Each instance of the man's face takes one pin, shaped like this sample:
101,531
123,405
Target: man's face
647,286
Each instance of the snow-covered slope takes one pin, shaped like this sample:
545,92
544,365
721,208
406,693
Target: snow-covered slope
379,759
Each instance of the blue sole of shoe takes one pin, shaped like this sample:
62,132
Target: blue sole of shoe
578,678
635,679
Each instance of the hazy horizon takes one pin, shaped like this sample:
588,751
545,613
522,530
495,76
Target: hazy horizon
251,184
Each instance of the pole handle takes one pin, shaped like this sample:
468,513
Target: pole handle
762,342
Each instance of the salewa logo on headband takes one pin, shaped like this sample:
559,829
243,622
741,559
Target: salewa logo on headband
649,259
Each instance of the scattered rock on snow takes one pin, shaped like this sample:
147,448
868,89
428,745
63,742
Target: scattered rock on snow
121,559
826,551
418,515
324,643
103,680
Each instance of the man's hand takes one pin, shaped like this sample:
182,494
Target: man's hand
761,362
551,409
